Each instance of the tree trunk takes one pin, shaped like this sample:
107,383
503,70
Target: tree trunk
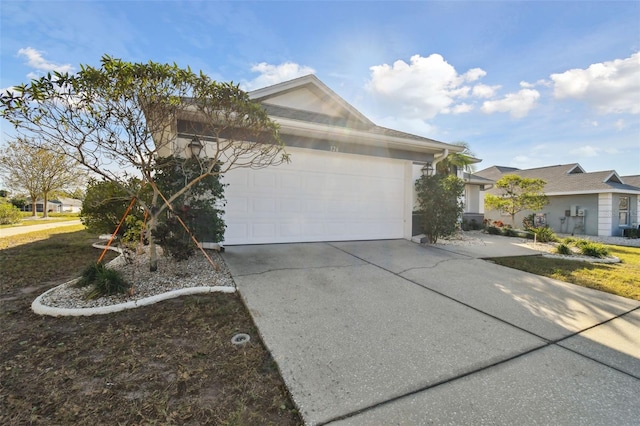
34,207
153,222
45,199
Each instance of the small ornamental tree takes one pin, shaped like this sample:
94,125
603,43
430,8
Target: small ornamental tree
118,119
517,194
439,204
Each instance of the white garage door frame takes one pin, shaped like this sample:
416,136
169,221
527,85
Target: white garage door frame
320,196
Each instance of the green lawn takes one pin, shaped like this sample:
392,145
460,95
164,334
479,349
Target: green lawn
28,220
622,278
61,252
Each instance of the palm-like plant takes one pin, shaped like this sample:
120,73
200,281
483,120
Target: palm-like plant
464,160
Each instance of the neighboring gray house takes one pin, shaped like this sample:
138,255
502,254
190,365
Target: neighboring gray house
597,203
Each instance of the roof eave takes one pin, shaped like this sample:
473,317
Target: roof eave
342,134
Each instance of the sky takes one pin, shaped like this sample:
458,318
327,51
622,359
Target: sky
524,83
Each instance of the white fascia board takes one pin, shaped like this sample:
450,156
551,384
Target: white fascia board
342,134
607,191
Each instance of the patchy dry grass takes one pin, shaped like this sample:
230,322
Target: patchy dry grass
169,363
622,278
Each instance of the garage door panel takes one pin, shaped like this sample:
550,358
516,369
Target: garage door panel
320,196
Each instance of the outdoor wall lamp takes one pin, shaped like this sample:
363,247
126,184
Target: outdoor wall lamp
195,146
427,169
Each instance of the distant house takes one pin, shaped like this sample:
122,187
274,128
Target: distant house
59,205
596,203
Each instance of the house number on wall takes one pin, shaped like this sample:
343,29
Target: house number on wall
334,148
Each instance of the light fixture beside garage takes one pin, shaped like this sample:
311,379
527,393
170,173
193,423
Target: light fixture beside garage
427,170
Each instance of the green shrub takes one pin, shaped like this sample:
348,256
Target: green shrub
89,274
510,232
580,243
174,240
594,250
563,248
569,240
544,235
493,230
109,282
9,213
472,225
439,205
105,281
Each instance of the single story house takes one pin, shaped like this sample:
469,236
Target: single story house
595,203
59,205
348,178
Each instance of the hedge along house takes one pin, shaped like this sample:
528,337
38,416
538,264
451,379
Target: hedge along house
348,179
597,203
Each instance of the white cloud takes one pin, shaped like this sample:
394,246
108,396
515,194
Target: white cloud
585,151
517,104
474,74
461,108
620,124
484,91
274,74
609,87
36,60
423,88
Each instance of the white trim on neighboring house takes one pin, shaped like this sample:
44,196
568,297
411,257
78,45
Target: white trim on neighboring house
573,169
605,214
613,174
608,191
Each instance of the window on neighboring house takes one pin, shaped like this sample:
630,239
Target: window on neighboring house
623,211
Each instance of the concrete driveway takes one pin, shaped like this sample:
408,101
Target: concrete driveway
391,332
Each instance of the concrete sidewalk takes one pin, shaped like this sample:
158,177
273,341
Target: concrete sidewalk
391,332
18,230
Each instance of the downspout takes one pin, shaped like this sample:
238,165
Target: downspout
438,158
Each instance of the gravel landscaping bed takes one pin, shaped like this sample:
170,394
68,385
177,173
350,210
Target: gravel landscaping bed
171,275
474,238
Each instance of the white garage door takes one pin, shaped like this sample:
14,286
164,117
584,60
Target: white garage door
319,196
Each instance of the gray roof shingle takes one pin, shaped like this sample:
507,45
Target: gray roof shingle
569,178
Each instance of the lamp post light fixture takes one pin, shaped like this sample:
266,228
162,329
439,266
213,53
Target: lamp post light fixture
195,146
427,169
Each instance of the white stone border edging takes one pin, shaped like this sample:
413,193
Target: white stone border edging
40,309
